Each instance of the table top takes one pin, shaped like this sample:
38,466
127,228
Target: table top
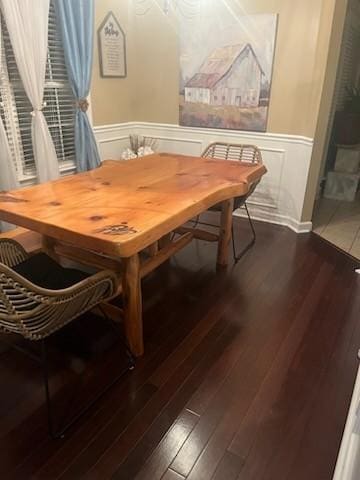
123,206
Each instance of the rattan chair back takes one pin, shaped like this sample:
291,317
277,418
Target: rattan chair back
35,312
248,154
235,151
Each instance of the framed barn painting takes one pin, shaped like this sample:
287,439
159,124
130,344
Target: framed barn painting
226,68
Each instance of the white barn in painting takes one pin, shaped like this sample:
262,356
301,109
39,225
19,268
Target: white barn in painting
231,75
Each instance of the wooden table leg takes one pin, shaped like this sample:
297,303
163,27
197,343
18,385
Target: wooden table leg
48,246
165,240
153,249
225,233
133,304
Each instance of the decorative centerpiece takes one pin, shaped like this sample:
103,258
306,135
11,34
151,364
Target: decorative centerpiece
139,147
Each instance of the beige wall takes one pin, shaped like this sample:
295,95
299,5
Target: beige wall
112,98
150,92
298,67
157,68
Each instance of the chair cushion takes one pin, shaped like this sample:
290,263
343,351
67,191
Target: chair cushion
43,271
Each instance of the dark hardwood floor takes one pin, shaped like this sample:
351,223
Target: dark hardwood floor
247,375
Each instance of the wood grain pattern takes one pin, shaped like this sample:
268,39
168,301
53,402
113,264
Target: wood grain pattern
165,253
87,257
48,246
123,207
31,241
131,293
171,475
164,240
246,375
153,249
199,234
162,456
227,209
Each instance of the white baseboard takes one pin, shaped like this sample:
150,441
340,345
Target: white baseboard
279,198
276,219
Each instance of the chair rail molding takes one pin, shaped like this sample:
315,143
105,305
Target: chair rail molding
279,198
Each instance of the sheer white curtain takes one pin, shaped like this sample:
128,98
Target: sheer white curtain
27,23
8,179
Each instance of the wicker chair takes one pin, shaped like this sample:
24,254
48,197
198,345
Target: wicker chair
35,312
243,153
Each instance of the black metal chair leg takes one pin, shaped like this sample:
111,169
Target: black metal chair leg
45,369
251,224
236,256
56,434
130,356
233,240
196,221
42,360
250,244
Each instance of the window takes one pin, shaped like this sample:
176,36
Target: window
59,110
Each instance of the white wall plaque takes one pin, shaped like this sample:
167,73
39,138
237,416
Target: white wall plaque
112,48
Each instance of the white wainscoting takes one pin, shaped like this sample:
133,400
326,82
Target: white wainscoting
113,139
279,198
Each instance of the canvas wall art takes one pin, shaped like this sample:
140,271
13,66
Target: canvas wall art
226,65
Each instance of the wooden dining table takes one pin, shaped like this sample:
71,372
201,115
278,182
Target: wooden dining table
108,216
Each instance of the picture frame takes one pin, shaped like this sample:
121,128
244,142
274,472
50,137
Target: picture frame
226,73
112,48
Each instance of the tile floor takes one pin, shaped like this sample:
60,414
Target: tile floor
339,223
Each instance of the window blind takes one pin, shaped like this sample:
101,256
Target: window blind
59,109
